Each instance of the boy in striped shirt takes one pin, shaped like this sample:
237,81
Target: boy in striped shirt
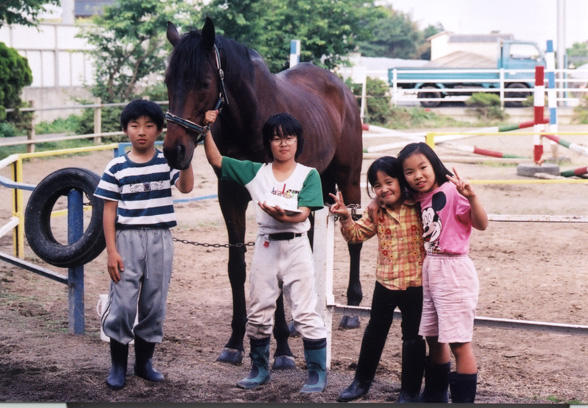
138,213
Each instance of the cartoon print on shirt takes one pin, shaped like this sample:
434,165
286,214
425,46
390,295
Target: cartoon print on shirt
432,225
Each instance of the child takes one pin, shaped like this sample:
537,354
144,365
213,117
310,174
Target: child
450,282
138,213
398,278
282,260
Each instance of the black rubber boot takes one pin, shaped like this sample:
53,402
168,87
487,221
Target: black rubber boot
143,365
369,357
259,373
413,366
315,353
119,354
436,383
463,387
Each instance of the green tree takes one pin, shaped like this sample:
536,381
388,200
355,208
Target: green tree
395,35
578,54
328,30
130,45
16,74
23,12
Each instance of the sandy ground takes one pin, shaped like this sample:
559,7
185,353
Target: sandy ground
528,271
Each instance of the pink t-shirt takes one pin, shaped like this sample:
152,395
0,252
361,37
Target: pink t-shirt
447,223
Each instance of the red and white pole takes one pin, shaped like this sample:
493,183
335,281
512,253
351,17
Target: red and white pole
539,104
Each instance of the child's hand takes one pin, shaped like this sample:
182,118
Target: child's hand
115,266
463,186
210,117
339,207
373,208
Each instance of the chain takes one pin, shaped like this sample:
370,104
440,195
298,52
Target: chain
207,245
354,216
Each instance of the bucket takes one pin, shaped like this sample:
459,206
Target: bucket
100,309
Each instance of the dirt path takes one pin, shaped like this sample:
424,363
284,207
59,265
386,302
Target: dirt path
528,271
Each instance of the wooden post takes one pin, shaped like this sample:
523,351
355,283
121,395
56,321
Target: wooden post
31,132
75,280
97,121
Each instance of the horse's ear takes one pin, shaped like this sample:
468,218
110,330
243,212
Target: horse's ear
208,34
172,34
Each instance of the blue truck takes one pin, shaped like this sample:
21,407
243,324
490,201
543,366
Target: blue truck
461,73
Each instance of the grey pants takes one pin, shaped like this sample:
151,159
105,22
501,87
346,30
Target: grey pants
147,256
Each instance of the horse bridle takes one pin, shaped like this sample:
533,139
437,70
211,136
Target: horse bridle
200,131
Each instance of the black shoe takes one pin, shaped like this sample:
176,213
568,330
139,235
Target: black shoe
355,390
117,376
143,365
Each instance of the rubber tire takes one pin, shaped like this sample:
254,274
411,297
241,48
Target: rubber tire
38,219
429,92
516,104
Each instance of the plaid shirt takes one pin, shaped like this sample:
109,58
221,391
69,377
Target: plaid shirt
400,239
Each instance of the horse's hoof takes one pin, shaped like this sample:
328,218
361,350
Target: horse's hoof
231,356
293,331
284,363
349,323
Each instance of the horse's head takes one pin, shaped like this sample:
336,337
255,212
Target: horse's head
194,80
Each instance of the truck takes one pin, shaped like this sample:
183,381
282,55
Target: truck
463,64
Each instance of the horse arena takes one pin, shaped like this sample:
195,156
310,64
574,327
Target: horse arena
529,271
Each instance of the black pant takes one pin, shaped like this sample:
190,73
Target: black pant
410,303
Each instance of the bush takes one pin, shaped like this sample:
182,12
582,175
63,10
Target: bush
581,111
6,129
378,108
487,106
16,74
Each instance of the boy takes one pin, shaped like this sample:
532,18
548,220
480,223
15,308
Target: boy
285,192
138,213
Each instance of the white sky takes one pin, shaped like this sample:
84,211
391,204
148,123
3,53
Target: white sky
534,20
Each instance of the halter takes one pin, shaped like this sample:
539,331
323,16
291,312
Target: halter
201,131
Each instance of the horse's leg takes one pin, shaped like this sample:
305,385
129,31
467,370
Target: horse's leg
348,182
233,201
283,357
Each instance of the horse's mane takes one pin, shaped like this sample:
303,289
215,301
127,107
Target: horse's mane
188,59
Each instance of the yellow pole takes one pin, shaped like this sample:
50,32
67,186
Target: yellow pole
17,210
430,140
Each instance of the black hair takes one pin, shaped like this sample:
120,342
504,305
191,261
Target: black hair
141,107
388,165
439,168
282,124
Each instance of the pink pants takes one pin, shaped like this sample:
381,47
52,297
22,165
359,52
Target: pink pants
450,296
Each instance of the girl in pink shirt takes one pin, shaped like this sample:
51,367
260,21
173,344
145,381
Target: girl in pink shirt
449,210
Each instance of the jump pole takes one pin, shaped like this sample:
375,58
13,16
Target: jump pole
551,96
538,106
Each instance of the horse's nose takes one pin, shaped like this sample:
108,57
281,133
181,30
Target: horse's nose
175,155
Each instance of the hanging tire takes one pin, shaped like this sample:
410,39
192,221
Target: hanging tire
38,219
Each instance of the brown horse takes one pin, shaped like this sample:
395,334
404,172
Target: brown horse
211,72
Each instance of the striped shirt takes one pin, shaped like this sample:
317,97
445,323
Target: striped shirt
400,245
143,191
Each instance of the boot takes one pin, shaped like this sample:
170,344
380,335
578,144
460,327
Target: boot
119,354
413,366
369,357
143,356
463,387
436,383
259,364
315,353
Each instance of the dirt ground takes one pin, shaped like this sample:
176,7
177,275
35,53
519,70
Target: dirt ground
528,271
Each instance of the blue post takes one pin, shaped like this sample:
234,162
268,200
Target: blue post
75,229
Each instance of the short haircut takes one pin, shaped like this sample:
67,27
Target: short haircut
439,168
282,124
142,107
388,165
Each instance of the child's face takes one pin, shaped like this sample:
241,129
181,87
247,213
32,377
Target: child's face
419,173
284,147
388,191
142,133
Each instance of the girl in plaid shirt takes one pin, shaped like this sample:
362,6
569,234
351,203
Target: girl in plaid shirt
398,278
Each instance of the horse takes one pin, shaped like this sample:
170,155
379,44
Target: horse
207,71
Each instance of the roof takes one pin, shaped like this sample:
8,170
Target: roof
472,38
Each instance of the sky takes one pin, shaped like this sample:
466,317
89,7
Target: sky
534,20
